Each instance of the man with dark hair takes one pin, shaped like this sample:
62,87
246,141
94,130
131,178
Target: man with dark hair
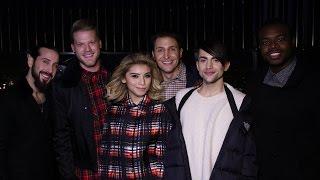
167,52
80,105
211,137
26,123
285,108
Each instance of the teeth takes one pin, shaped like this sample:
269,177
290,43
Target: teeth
166,62
274,55
88,55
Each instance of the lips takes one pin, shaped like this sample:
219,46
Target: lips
88,55
167,62
274,54
45,75
209,73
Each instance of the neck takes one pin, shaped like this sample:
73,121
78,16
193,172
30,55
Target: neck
91,69
278,68
171,75
211,89
37,95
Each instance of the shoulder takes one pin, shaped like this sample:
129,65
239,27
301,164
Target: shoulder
181,93
70,76
238,95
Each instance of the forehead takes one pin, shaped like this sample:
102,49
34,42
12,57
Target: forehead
139,68
273,30
45,53
166,41
203,53
84,35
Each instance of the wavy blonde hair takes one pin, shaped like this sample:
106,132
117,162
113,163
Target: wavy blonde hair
117,91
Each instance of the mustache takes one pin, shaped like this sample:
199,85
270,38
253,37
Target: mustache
46,73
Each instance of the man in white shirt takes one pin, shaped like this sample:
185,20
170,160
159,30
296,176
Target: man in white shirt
211,123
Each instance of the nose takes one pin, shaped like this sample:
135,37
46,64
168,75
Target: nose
166,54
142,81
209,64
274,44
88,47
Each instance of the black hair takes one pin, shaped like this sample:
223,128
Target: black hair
276,21
34,51
216,49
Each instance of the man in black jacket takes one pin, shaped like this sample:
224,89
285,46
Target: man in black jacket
211,134
285,108
80,105
26,124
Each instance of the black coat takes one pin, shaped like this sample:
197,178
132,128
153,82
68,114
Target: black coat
73,138
25,136
287,125
236,159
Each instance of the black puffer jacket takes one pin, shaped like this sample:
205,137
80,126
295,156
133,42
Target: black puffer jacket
236,159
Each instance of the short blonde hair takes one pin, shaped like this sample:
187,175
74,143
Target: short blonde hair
117,90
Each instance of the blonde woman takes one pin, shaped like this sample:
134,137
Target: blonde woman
137,124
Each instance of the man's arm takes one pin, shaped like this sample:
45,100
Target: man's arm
4,130
61,137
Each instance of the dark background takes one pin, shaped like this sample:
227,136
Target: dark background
127,26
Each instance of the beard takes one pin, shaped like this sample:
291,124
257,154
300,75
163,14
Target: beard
41,85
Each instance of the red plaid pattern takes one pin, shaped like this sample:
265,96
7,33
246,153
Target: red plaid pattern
95,83
134,140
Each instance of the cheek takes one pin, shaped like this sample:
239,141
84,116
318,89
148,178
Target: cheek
148,82
263,50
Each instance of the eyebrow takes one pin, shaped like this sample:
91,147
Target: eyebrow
44,58
139,73
164,47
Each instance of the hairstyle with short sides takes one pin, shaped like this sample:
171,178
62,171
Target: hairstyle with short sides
275,21
117,90
83,25
34,51
166,34
216,49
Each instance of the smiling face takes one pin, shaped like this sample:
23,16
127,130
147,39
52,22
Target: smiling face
86,46
210,68
44,67
276,46
138,80
167,54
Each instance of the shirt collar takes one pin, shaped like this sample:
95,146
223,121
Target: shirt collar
280,79
128,101
181,75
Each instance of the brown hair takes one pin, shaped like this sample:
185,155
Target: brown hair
83,25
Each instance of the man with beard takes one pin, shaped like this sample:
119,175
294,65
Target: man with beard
167,52
211,136
285,108
80,106
25,124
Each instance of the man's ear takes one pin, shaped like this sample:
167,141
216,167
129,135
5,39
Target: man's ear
226,66
100,44
30,60
72,47
152,53
181,51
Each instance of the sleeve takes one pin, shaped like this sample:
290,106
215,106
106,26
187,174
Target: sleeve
4,126
61,137
249,167
156,148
